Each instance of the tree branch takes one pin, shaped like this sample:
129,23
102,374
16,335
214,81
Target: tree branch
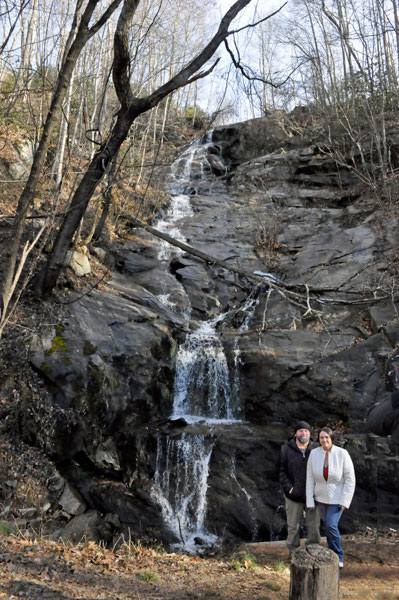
121,65
251,25
198,61
239,66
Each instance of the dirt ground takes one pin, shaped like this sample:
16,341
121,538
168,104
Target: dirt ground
32,569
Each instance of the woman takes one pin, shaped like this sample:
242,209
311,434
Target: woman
330,484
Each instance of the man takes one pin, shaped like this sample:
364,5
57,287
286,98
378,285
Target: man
294,458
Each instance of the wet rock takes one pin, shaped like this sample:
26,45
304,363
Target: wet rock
217,165
199,541
178,422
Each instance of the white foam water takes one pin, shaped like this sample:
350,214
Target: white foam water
180,488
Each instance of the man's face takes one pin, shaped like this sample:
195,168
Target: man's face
303,435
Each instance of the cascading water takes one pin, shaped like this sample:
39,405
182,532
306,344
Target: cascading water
202,392
180,488
180,208
247,496
206,389
202,389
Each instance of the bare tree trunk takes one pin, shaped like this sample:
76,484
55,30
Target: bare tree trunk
314,574
208,258
28,34
107,199
62,139
142,151
396,17
164,119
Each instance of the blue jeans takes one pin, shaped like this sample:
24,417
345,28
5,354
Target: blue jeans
331,514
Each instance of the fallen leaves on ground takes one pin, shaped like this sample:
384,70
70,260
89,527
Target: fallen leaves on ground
53,571
34,569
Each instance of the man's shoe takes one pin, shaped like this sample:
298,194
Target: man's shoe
340,564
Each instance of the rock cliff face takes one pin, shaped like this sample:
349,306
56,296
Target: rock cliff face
312,343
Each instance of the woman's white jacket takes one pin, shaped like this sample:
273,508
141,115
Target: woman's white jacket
340,486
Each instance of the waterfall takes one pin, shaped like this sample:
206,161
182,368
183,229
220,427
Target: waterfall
202,392
206,389
180,487
179,208
202,389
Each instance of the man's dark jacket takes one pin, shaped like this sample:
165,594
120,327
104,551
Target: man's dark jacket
293,470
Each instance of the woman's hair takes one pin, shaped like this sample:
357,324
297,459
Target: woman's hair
329,431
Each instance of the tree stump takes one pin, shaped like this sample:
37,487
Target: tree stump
314,574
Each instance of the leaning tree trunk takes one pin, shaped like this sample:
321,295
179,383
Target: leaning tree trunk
47,278
314,574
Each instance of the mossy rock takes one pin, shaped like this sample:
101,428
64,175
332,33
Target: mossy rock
59,344
89,348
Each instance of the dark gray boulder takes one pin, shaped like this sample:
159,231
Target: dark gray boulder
86,527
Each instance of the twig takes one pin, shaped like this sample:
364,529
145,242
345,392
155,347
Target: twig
180,531
86,293
265,310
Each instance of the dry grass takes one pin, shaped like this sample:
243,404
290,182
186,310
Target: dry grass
36,568
42,569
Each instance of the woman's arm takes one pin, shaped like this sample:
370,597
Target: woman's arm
349,480
310,503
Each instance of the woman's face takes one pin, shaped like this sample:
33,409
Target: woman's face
325,440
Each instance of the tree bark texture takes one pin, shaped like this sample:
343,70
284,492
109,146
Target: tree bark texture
314,574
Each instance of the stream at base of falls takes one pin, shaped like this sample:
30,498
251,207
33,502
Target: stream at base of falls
206,385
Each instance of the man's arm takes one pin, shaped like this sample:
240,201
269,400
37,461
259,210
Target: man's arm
285,481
